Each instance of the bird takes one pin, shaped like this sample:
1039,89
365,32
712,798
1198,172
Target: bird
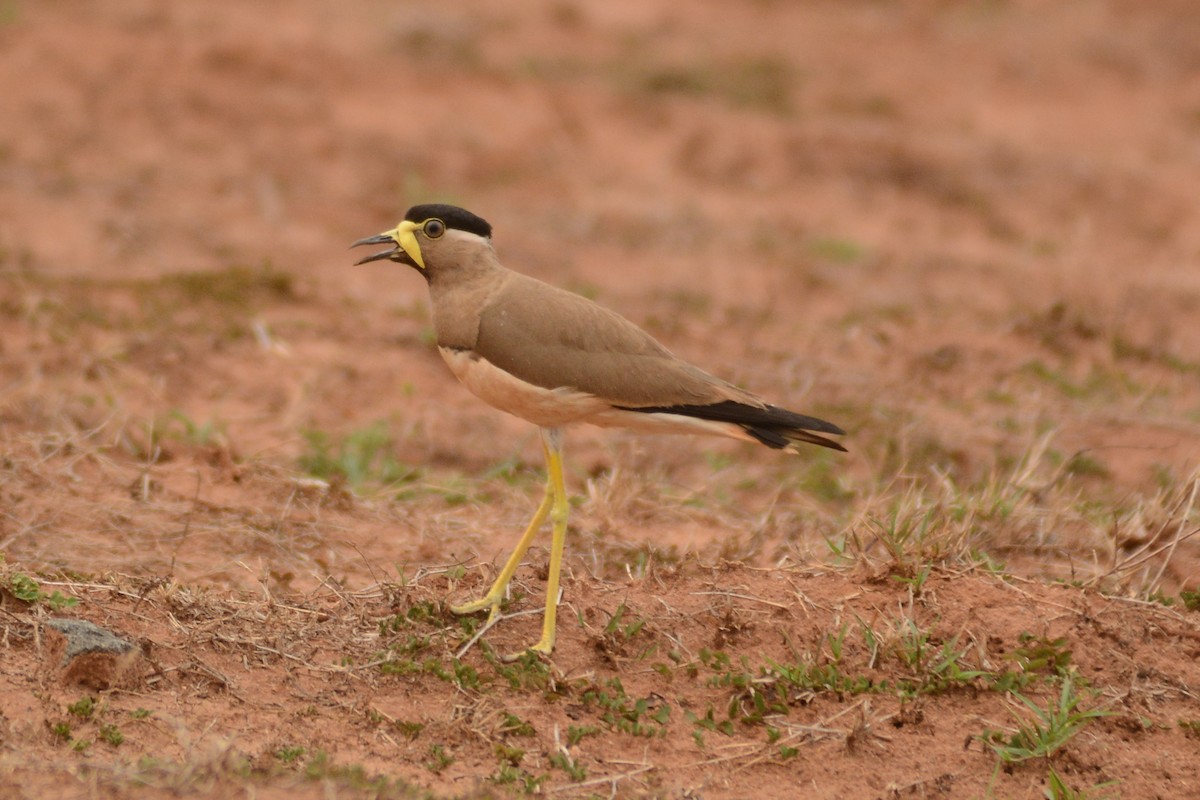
555,359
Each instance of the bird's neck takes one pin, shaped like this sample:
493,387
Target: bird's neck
457,300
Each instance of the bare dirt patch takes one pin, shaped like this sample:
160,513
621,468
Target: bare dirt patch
690,679
965,232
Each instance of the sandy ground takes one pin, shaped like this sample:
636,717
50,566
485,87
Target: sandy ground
966,232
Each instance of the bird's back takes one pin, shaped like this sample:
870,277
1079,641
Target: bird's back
553,339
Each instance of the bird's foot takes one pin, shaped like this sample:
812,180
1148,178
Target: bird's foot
541,650
492,604
470,608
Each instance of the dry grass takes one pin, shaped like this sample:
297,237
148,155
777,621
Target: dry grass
820,607
218,440
730,669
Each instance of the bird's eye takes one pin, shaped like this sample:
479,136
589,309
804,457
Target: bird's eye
434,228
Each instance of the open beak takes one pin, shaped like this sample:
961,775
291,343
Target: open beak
404,246
383,238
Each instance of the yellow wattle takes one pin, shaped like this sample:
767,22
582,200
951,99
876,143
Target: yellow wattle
405,236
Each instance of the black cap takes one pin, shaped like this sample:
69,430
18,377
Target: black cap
457,218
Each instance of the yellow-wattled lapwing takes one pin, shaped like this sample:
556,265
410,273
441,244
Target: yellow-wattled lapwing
555,358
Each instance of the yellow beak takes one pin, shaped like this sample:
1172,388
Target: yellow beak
404,236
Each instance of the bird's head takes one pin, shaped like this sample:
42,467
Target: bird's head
428,235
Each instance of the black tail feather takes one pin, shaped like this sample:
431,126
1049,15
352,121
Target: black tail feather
775,427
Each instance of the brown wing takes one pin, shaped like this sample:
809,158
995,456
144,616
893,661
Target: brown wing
554,338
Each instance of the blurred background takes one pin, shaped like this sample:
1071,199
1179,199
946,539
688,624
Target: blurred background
966,231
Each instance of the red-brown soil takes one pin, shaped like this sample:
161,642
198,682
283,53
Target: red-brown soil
967,232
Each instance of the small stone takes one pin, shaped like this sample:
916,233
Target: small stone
83,653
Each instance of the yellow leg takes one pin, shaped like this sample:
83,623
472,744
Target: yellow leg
559,511
554,503
492,599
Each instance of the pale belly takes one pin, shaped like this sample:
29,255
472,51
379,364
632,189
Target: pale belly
549,408
555,408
